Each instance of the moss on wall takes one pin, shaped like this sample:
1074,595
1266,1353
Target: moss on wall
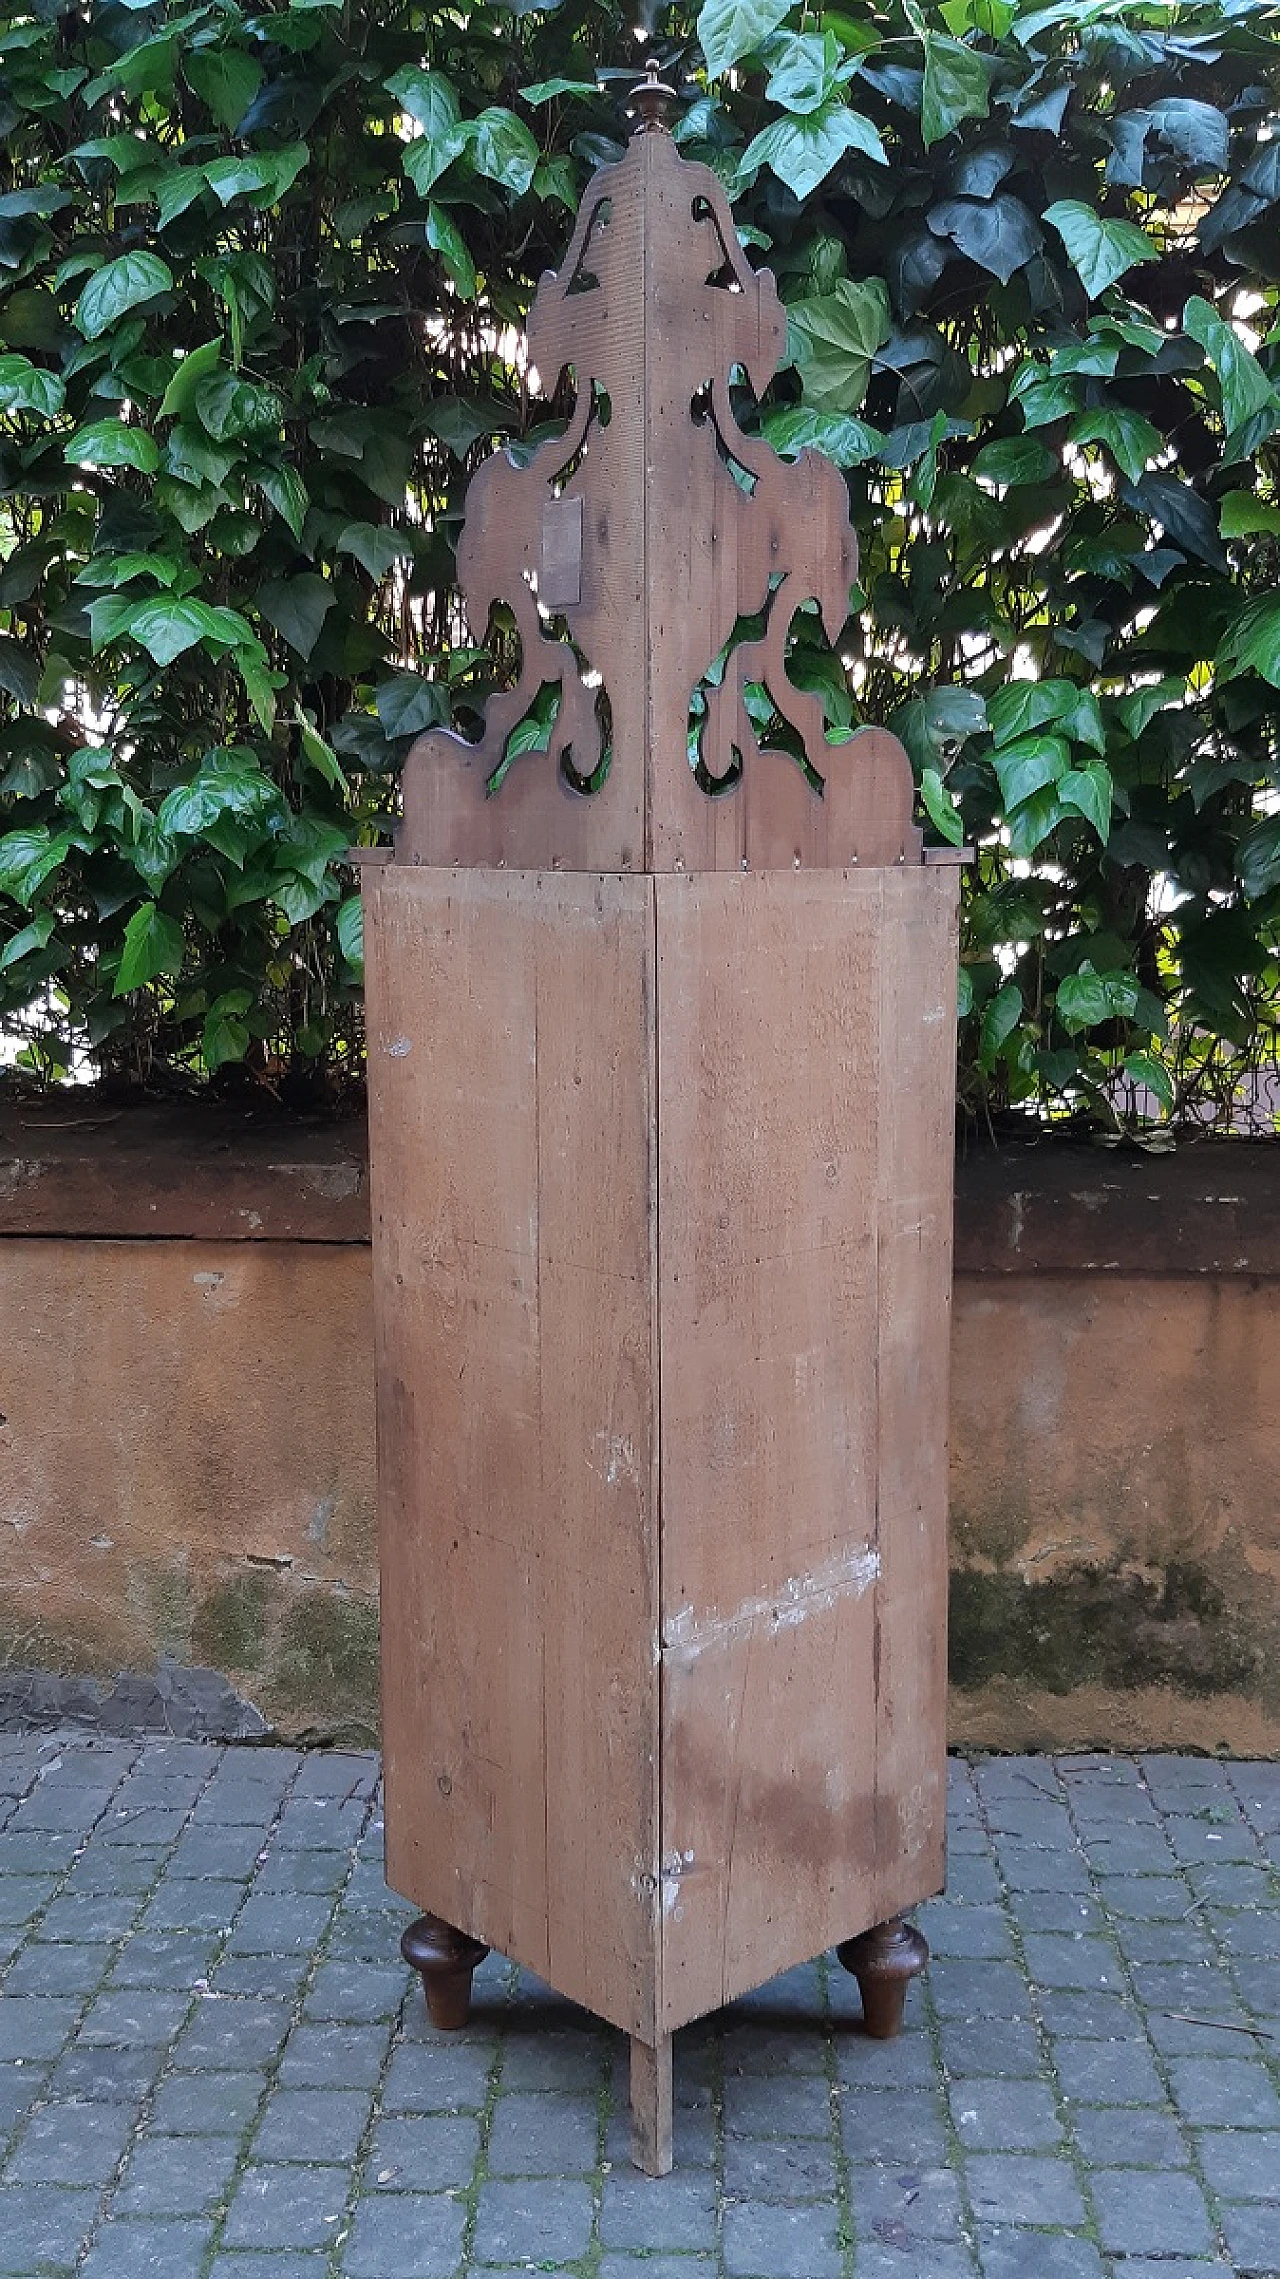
1102,1626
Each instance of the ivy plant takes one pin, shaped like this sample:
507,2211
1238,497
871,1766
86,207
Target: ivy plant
262,271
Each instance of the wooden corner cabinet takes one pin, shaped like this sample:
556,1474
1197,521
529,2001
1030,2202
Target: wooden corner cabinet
661,1028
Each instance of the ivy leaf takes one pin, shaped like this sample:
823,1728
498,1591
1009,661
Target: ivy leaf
122,569
229,407
1085,999
1242,515
297,607
287,493
376,547
956,86
1029,765
153,945
730,29
1000,1017
19,672
1244,385
459,422
1257,858
1140,709
263,178
445,238
177,190
1032,823
951,716
109,443
170,625
802,152
42,198
1096,359
1087,791
1021,706
298,897
1043,401
194,459
941,808
833,339
349,927
1131,439
28,858
555,178
426,97
24,387
1182,514
28,938
1100,250
805,68
1253,643
546,90
999,233
1142,1069
225,1037
310,844
1196,132
196,365
1016,459
119,286
318,754
850,442
501,147
408,705
427,158
226,80
225,784
108,618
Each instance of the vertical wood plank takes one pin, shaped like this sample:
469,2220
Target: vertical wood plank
651,2106
510,1054
769,1007
914,1215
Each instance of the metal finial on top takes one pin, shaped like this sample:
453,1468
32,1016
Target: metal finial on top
654,101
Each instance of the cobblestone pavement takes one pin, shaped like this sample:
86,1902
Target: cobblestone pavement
213,2066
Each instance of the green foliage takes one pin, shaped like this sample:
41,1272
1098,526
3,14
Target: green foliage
259,270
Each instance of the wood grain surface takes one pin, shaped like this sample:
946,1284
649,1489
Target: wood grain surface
804,1088
510,1079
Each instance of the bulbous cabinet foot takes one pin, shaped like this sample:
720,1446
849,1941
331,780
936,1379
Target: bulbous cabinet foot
444,1960
884,1960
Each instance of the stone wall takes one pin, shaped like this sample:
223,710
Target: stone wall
186,1451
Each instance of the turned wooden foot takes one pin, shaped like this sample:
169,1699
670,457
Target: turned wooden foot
884,1961
651,2107
444,1959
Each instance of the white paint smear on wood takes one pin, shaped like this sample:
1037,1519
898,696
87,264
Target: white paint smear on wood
846,1576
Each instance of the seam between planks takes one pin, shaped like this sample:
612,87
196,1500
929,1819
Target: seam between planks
658,1836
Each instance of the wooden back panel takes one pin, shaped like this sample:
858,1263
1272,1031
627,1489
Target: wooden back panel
662,1207
805,1088
510,1095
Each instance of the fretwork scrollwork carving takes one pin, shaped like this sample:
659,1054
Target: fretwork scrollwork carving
630,546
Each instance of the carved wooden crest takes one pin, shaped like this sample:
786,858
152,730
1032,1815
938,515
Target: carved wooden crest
654,558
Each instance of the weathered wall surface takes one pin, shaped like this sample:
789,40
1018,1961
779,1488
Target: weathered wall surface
1115,1476
186,1461
186,1469
186,1456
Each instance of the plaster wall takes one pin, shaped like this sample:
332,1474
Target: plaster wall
186,1471
186,1456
